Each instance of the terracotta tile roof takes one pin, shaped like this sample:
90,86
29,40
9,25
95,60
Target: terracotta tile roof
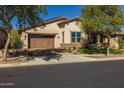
41,33
68,21
45,22
55,19
118,34
121,33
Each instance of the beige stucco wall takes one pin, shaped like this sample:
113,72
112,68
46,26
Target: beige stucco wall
53,28
24,39
48,29
71,27
113,43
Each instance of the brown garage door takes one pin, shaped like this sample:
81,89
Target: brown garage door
43,42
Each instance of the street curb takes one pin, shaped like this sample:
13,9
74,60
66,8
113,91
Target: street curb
33,63
107,59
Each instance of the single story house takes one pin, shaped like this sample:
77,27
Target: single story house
58,32
61,32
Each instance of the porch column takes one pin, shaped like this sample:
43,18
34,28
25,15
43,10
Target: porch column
98,41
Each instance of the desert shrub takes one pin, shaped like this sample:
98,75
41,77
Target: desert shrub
15,42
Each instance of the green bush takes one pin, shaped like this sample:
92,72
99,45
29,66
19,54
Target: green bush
121,43
100,51
117,51
91,51
15,42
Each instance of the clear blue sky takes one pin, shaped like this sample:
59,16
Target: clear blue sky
63,10
60,10
69,11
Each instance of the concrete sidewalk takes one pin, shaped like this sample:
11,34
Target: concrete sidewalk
65,58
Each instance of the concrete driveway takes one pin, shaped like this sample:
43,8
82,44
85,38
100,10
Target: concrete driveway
86,74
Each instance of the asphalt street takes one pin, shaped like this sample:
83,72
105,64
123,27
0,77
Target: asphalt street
104,74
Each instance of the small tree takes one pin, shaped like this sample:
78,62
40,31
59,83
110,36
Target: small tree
23,16
106,19
15,42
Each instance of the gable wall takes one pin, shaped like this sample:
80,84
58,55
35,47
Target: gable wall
48,29
71,27
53,28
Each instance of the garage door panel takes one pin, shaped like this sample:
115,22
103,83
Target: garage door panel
44,43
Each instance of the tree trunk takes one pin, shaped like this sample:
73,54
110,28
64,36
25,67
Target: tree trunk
98,41
6,47
108,46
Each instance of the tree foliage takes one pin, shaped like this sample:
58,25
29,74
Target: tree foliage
15,41
21,16
107,19
24,16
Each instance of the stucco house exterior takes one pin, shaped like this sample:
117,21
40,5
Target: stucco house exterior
62,32
101,40
58,32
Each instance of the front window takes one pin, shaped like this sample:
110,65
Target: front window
75,37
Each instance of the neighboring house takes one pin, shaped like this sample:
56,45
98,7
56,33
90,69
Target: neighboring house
95,38
62,32
59,32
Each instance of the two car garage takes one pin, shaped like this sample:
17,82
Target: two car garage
41,41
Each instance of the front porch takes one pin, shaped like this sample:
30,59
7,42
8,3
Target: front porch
99,40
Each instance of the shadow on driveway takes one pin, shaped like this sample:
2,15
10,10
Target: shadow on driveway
45,54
